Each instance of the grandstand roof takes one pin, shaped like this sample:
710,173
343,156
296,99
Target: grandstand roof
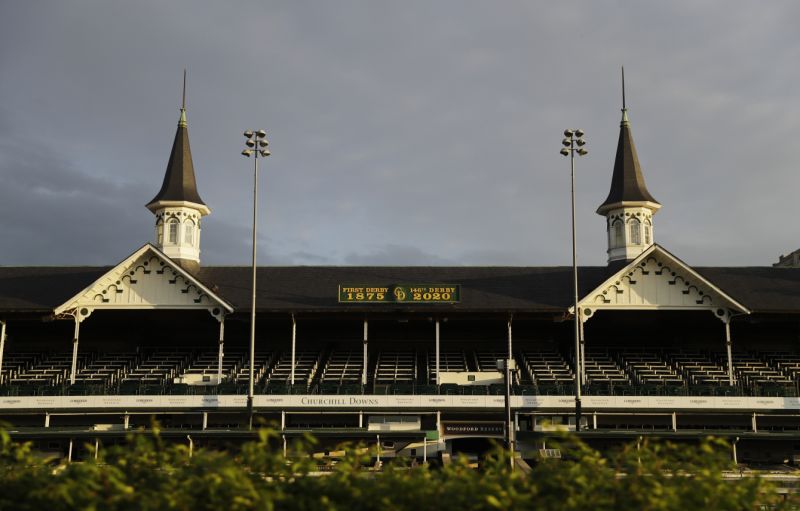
314,288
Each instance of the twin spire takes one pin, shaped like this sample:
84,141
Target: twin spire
629,206
178,206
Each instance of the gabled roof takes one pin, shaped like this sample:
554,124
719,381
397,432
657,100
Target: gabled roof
147,279
657,279
179,184
627,182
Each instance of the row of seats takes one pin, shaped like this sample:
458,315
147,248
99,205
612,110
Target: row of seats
632,366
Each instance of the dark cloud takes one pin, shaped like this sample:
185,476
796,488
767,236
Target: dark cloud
402,133
392,254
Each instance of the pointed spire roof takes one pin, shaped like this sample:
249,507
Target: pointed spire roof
179,181
627,182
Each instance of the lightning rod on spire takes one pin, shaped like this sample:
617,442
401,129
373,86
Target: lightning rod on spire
623,88
183,100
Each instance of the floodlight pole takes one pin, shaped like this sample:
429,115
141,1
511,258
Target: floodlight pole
254,140
573,143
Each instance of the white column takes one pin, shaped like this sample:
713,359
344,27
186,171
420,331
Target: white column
425,449
366,339
729,349
75,338
510,345
221,348
583,351
2,347
437,351
294,348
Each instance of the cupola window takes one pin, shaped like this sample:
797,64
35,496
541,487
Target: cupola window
647,234
188,233
160,232
617,233
173,231
636,232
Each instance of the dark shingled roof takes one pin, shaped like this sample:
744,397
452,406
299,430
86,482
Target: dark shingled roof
483,289
179,181
627,183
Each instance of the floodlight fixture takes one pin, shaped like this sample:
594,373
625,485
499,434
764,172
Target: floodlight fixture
248,134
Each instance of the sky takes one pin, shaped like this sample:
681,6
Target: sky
402,133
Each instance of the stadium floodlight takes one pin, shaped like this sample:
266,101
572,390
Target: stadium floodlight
253,137
573,143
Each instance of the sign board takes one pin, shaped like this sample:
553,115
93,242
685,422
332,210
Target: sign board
400,293
473,428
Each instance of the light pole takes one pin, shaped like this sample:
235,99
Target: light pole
573,143
256,142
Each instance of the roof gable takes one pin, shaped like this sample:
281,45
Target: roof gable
147,279
659,280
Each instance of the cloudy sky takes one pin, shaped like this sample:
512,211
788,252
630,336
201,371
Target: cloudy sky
411,132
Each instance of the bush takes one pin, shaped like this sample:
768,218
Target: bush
149,474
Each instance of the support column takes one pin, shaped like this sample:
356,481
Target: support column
729,348
75,339
437,352
294,348
2,346
583,349
366,340
221,348
425,449
510,340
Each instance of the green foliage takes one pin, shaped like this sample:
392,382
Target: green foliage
148,473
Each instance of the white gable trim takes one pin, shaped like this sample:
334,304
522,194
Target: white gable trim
697,294
134,284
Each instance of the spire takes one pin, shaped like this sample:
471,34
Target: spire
179,181
182,120
627,182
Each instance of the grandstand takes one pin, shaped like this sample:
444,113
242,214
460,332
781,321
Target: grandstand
406,357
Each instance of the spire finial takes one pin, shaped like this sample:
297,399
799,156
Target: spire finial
182,121
624,106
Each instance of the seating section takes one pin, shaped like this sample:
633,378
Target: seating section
486,360
343,366
600,367
546,367
449,361
699,367
305,366
395,366
545,370
649,367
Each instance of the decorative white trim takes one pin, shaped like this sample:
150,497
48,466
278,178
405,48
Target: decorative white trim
670,284
202,208
147,279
